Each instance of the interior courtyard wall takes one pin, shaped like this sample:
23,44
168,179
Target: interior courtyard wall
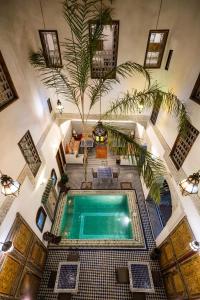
19,24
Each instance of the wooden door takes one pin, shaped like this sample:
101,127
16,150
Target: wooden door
174,284
29,286
181,237
190,270
167,254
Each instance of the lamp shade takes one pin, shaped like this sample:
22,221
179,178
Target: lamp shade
190,185
60,107
100,134
9,186
195,246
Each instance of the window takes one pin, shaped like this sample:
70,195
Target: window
41,218
30,153
155,112
196,91
51,48
49,105
155,48
183,145
8,93
105,58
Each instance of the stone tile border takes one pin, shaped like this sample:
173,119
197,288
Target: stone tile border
138,240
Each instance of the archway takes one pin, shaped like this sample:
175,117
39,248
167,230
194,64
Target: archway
160,213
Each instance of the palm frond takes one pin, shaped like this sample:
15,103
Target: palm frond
53,77
151,97
103,86
149,167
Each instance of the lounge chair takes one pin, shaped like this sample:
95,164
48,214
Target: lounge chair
122,275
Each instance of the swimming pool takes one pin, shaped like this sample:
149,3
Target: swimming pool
96,217
99,218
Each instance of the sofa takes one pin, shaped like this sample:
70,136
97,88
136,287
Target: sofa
72,155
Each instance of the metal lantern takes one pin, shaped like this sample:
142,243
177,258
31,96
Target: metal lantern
190,185
9,186
195,246
7,246
60,107
100,134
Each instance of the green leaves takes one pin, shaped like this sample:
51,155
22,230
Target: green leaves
150,168
148,98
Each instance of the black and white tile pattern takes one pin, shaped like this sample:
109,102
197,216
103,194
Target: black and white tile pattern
97,279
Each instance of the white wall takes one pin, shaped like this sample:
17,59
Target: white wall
19,24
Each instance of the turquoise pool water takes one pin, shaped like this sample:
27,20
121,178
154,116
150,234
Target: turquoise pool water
96,217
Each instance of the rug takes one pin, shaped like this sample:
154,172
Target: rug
86,185
126,185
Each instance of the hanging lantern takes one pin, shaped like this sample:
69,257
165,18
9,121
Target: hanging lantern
60,107
7,246
100,134
190,185
9,186
194,245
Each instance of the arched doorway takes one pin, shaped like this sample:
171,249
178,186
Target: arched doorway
160,213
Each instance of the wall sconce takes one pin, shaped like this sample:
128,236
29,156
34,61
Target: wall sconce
7,246
59,106
194,245
8,185
190,185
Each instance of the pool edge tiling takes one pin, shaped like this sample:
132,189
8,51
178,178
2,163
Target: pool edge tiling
137,242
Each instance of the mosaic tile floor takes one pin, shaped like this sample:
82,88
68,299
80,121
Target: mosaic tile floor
97,279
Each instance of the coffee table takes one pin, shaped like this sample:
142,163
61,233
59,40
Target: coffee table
67,277
140,276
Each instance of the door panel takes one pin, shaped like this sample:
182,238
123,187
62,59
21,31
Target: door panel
10,275
180,238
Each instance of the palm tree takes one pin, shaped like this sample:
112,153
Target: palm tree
72,81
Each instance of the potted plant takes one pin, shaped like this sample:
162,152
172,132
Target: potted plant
62,183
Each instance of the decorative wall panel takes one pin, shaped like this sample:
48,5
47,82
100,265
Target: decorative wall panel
183,145
22,239
9,275
30,153
28,257
49,199
37,255
29,285
7,90
181,237
174,283
167,254
104,61
190,270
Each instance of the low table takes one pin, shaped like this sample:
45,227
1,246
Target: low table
104,173
140,276
67,277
